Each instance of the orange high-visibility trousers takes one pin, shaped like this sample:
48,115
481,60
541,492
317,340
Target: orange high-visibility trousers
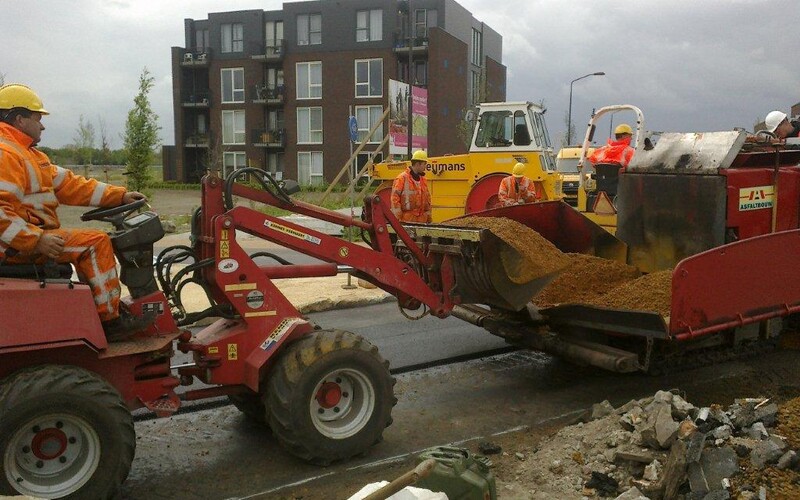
90,251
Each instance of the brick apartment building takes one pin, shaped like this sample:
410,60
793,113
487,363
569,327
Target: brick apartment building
273,89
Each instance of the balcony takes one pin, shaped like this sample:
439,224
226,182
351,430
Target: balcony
197,140
196,100
269,94
273,50
269,138
196,58
419,45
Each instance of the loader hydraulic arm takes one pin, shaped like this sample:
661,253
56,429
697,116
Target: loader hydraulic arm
421,277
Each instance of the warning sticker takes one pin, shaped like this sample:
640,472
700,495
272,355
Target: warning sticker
224,249
213,350
233,352
292,232
756,198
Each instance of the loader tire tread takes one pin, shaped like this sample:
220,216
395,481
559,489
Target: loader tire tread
289,377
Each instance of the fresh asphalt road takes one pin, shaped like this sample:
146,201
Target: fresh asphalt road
405,342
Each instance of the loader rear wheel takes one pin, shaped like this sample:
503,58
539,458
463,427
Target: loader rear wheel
330,396
64,433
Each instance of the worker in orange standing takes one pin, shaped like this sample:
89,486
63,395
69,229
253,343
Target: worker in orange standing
517,189
411,200
618,151
31,189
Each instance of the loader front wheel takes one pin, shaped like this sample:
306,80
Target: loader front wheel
330,396
64,433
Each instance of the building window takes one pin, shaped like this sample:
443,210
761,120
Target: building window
476,89
309,29
309,125
369,77
201,40
367,117
275,165
232,37
309,168
233,161
273,31
233,127
369,25
424,19
232,85
363,158
309,80
477,48
421,73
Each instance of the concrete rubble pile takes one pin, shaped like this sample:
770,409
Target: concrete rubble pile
663,447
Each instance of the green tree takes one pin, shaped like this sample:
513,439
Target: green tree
83,141
141,135
105,143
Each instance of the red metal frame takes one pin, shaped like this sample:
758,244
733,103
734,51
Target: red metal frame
736,284
238,352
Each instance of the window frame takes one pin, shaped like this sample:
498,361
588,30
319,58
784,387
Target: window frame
373,30
308,120
311,175
232,81
307,19
368,83
235,155
311,85
363,130
234,44
234,113
476,51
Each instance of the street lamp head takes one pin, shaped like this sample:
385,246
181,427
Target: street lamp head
599,73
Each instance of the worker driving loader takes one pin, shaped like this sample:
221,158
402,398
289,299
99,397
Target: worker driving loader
31,189
612,159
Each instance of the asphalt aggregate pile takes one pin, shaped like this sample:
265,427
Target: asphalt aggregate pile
533,256
651,292
585,278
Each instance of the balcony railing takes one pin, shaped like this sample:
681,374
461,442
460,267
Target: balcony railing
401,42
269,138
272,50
197,140
197,100
268,94
196,57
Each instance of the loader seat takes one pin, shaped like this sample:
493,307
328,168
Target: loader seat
607,177
36,271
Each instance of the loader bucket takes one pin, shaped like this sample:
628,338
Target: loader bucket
486,268
569,230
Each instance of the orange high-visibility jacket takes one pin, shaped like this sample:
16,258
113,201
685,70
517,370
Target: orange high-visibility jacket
411,200
512,194
31,189
619,152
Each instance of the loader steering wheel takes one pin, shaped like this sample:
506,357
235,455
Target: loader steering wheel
113,215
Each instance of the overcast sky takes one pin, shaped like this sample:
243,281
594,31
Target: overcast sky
699,65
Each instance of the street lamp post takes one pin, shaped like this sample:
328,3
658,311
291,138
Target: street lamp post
569,113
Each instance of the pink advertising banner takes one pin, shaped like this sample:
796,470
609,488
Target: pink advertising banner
398,118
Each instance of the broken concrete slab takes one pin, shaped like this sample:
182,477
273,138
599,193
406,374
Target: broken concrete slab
765,452
787,460
632,494
600,410
666,429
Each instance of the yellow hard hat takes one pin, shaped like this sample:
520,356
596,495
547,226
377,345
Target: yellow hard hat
15,95
519,170
420,155
623,128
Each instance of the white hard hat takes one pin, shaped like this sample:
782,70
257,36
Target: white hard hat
773,119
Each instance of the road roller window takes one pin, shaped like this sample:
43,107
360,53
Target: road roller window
495,129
